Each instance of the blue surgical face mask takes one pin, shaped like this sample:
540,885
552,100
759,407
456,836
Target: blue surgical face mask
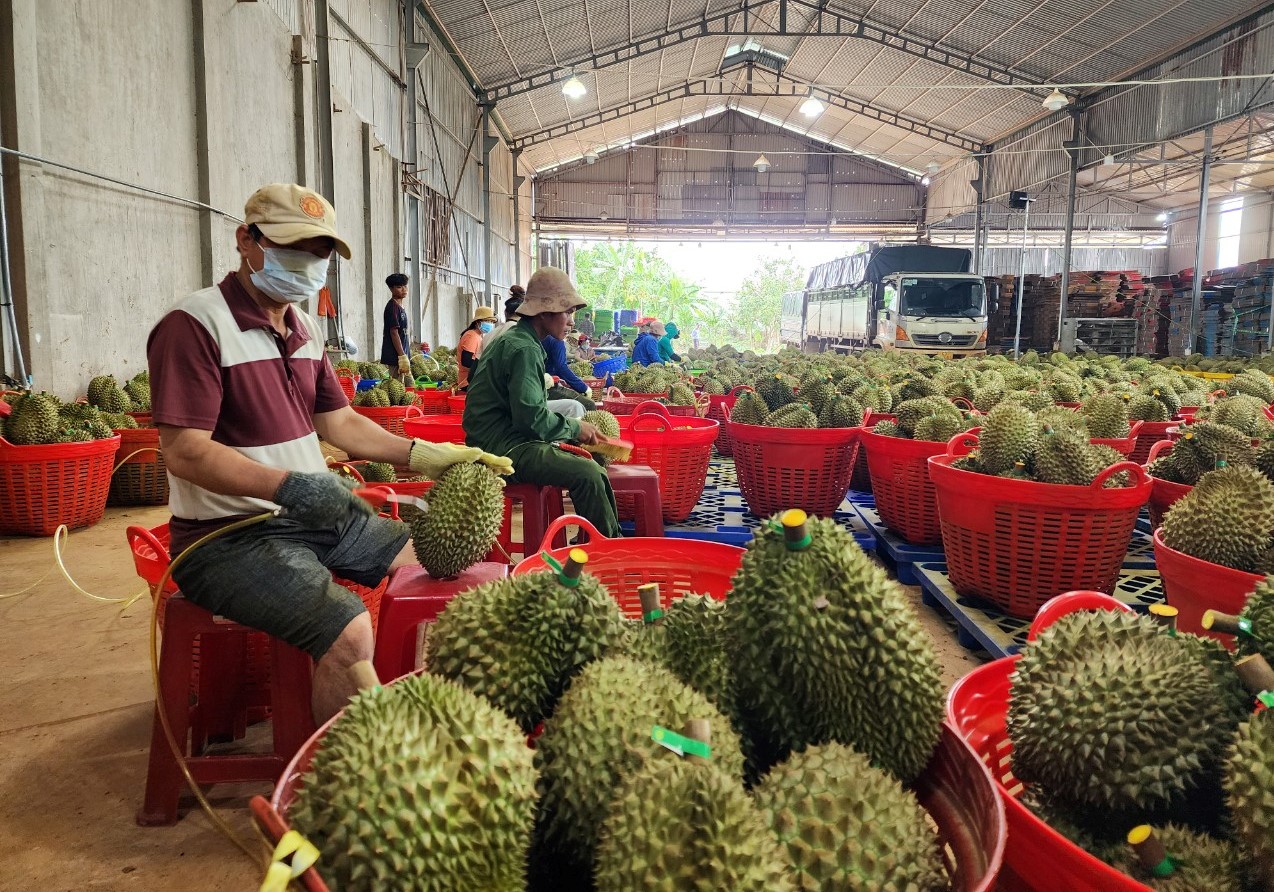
485,327
290,276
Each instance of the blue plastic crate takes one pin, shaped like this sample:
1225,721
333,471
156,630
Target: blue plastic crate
611,366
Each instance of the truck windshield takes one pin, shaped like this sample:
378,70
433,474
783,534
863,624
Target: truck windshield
941,297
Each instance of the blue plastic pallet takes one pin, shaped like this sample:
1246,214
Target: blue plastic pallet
982,626
1143,523
899,554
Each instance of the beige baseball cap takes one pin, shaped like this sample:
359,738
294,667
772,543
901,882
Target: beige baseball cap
286,213
550,291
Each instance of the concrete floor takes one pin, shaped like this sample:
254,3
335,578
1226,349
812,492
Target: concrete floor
75,719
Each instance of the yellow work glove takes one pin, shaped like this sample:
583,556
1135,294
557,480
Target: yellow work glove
433,459
404,365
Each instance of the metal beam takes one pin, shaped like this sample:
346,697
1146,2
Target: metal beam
1196,291
743,20
978,239
782,85
488,143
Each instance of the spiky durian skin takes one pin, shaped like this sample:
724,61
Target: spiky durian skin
691,641
1205,863
105,394
841,411
681,395
34,420
1096,709
1202,445
420,785
887,429
1243,413
1065,457
600,735
1144,407
816,393
1107,416
1009,434
1249,791
938,428
466,510
678,825
604,421
847,825
775,392
911,412
1225,519
1263,459
1254,383
1259,611
827,649
749,408
792,415
379,472
519,641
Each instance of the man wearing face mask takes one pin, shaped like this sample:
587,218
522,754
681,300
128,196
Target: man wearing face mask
395,343
241,391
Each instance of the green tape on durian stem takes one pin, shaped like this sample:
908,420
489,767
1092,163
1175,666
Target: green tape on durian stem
1245,627
679,743
652,616
800,544
1165,868
559,570
1266,698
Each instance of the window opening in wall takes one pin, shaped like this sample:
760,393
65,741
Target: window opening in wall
1229,227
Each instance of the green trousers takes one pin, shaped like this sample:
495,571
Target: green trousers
583,478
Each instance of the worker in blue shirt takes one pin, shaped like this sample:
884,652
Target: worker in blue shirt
646,347
555,364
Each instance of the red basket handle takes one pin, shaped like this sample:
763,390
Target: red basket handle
726,411
614,392
1158,449
1139,474
378,497
665,421
1134,429
346,373
353,471
412,408
965,439
957,400
651,407
560,524
739,389
1055,608
133,533
1219,392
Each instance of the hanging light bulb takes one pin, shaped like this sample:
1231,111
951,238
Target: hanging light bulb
933,167
811,107
574,88
924,181
1108,161
762,164
1055,101
1162,217
590,157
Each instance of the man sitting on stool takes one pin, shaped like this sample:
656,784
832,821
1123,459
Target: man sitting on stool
507,412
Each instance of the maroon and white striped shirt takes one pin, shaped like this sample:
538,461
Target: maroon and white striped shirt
217,364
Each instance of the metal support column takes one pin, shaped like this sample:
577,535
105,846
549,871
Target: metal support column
1201,231
6,286
1021,281
978,241
1072,151
325,148
518,181
488,143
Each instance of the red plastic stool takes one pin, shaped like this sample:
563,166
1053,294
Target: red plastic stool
414,597
642,483
541,505
291,673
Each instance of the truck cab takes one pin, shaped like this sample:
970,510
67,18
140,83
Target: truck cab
936,313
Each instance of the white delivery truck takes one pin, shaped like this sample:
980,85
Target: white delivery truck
906,297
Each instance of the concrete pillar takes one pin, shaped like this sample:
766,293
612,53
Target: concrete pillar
1072,151
1196,297
978,240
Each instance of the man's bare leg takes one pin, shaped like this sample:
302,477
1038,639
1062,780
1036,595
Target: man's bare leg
334,683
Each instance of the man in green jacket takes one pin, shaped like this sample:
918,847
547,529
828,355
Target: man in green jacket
506,411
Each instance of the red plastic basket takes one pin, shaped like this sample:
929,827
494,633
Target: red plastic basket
719,408
1194,586
781,468
680,566
141,477
1164,492
1123,445
348,379
1036,856
455,403
433,401
1019,543
1150,433
679,450
43,487
617,403
436,428
391,418
905,496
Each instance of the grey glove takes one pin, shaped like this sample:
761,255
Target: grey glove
319,499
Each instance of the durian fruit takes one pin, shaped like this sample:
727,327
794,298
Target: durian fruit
604,421
681,395
939,428
1258,610
420,785
792,415
466,510
1107,416
1202,445
1064,389
1066,457
375,397
816,393
1249,791
841,411
120,421
396,392
682,823
1263,459
987,398
1061,418
775,391
1099,709
1144,407
381,472
1243,413
828,649
712,386
1253,383
887,429
599,736
138,390
420,366
105,394
1203,863
1227,519
847,825
749,408
911,412
33,421
519,640
873,396
1009,435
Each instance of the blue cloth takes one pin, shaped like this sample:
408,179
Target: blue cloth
646,350
556,365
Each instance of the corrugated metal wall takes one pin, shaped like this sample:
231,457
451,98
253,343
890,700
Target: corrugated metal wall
1048,261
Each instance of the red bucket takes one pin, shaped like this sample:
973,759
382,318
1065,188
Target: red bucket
679,450
1194,586
1150,433
455,404
905,497
43,487
1019,543
140,478
1123,445
432,401
391,418
436,428
1165,493
806,468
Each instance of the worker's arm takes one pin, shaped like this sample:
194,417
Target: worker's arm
556,365
191,454
528,404
397,342
361,437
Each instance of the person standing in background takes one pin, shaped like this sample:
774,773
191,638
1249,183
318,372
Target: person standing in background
395,343
516,294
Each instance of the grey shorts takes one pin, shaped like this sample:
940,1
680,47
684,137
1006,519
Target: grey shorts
276,576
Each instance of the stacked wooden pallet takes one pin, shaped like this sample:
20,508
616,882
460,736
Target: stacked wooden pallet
1102,293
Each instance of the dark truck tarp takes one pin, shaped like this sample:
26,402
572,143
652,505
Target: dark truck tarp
875,265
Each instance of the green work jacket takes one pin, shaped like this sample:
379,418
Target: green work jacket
506,405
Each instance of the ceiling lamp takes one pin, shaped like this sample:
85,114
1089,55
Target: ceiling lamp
590,157
1162,217
718,222
1108,161
812,107
1055,101
762,164
574,88
933,167
604,216
924,181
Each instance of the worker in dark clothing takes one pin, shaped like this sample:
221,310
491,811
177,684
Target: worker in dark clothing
555,364
507,409
395,343
646,347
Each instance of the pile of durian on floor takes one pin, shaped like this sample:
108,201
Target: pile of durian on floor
819,688
1118,722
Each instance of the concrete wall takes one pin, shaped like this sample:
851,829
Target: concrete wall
1256,238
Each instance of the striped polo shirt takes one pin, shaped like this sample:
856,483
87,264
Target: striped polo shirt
216,364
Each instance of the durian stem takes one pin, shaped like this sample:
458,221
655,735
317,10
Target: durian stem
651,606
700,730
1256,673
1224,623
1150,851
1166,616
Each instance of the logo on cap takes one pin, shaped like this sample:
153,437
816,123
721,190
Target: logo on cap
312,207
